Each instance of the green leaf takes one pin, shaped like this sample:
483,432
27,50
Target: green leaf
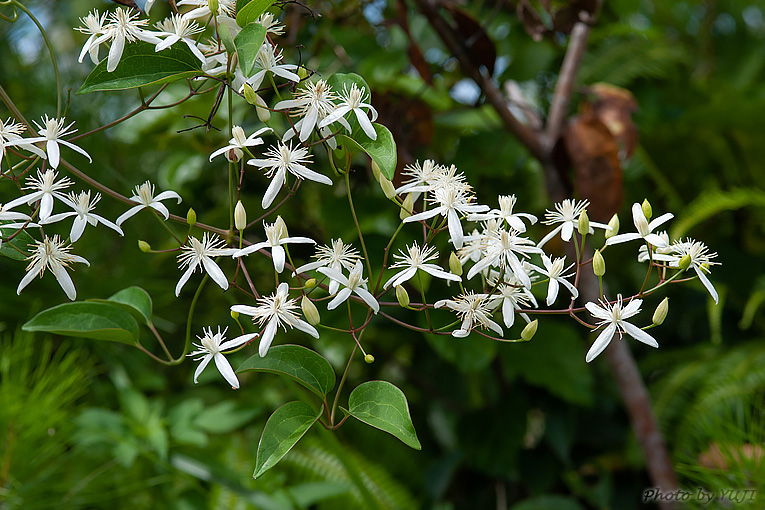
283,429
225,35
11,248
133,300
140,65
307,367
338,81
382,405
382,151
252,11
99,321
248,42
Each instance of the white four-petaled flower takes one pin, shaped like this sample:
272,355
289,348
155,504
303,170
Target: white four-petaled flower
50,132
239,141
554,271
210,347
614,317
178,28
567,214
53,254
354,283
82,205
46,189
144,196
276,236
354,101
473,309
202,252
337,256
415,258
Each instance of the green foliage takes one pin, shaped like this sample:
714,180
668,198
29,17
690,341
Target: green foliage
283,429
300,363
251,11
248,42
382,405
713,202
382,150
16,248
99,321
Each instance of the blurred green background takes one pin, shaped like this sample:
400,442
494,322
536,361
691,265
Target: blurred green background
85,424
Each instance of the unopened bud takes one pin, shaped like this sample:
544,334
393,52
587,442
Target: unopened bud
598,264
684,263
144,246
261,108
376,171
387,187
584,224
369,359
213,6
310,311
661,311
614,224
402,295
455,266
250,95
302,72
281,228
240,216
191,217
309,284
407,207
530,330
647,210
235,315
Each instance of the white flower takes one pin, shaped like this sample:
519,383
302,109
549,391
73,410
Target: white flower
123,27
51,253
567,214
271,25
615,318
46,190
313,102
276,236
283,159
700,260
239,141
505,212
421,177
416,258
202,252
337,256
277,310
144,196
353,101
502,250
202,8
10,131
82,205
178,28
473,309
94,27
512,296
644,229
643,251
211,346
50,134
353,284
268,60
554,271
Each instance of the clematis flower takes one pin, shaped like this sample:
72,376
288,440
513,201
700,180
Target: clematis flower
197,253
267,60
82,205
567,214
313,103
10,131
554,271
178,28
53,254
700,258
50,134
274,311
354,101
506,214
210,347
144,196
94,28
337,256
46,189
239,141
512,295
123,27
644,229
421,178
276,236
614,317
270,23
202,8
354,283
502,251
474,310
417,258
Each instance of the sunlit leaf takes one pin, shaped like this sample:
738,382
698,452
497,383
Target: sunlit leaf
382,151
382,405
252,11
307,367
283,429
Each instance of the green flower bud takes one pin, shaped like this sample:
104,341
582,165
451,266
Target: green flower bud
598,264
455,266
376,171
310,311
302,72
191,217
387,187
584,224
530,330
240,216
250,95
407,207
369,359
684,263
661,311
309,284
235,315
614,224
647,210
144,246
213,5
281,227
402,295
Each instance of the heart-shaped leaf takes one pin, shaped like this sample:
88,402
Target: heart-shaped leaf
382,405
283,429
248,42
99,321
307,367
382,151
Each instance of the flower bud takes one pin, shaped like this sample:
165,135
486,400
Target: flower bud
402,295
144,246
302,72
261,108
584,223
661,311
376,171
387,187
250,95
598,264
235,315
407,207
213,6
309,284
240,216
369,359
281,227
455,266
191,217
684,262
310,311
614,224
530,330
647,210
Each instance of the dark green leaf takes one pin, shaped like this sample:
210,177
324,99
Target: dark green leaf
11,248
140,65
339,81
225,35
252,11
382,151
248,42
99,321
382,405
134,300
283,429
307,367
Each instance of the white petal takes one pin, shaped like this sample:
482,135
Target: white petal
224,367
267,337
339,299
51,147
273,189
64,280
115,53
707,283
236,342
365,124
640,335
552,291
29,277
598,311
215,272
129,213
201,367
549,236
567,231
46,206
368,299
334,274
168,194
247,310
305,327
622,238
440,273
401,277
508,312
76,148
78,227
604,338
161,209
277,252
455,229
306,173
660,220
184,278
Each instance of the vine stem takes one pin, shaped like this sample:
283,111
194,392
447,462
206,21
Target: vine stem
340,386
356,221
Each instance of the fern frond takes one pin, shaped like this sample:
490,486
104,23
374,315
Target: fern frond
713,202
